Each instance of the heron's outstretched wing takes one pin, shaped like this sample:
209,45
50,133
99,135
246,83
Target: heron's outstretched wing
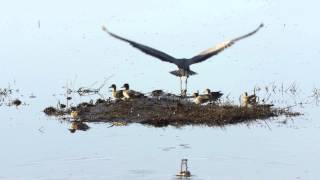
148,50
220,47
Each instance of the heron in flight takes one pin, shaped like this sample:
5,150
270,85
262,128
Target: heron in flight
183,64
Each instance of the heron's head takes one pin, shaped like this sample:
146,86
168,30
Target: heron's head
125,86
261,25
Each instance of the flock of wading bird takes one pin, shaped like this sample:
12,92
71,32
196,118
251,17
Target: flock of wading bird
183,71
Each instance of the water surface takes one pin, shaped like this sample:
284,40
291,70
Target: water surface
68,48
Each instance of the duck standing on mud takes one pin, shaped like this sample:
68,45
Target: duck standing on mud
160,94
200,99
249,100
183,64
116,94
157,93
214,96
130,94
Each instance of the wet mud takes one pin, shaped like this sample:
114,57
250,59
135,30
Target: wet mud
162,112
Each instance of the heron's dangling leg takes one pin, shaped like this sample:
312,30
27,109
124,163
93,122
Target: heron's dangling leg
180,85
186,87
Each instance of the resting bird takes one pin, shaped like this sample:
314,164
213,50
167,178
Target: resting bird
160,94
200,99
157,93
214,96
249,100
116,94
184,63
129,94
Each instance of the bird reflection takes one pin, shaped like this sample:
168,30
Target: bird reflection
78,125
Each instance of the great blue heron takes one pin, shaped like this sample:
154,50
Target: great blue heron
183,63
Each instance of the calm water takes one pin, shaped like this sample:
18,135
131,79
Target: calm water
46,46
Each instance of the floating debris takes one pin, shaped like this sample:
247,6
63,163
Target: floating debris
184,172
62,106
84,91
16,102
51,111
32,96
5,92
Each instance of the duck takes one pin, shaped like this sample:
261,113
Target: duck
116,94
157,93
130,94
74,114
160,94
200,99
214,96
249,100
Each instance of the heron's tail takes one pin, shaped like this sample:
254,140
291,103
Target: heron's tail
181,73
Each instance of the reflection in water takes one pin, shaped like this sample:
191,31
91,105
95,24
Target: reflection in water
316,95
78,125
184,172
7,99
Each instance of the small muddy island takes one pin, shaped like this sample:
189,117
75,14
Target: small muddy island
164,112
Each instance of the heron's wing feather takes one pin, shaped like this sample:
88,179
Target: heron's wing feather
148,50
220,47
